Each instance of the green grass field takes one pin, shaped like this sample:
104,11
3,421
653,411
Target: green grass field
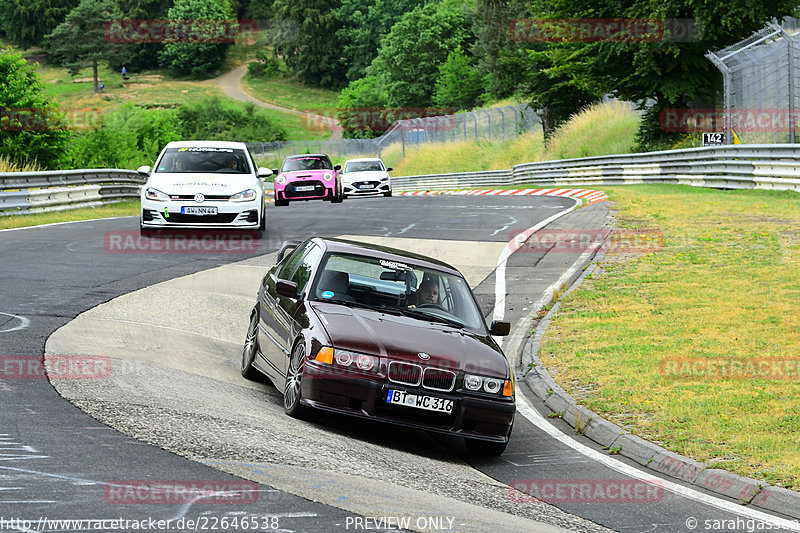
653,339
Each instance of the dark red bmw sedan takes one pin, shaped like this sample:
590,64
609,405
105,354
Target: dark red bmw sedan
384,334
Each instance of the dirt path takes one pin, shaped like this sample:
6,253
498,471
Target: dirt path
231,84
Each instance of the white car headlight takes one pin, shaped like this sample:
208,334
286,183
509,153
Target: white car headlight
327,176
281,179
245,196
154,194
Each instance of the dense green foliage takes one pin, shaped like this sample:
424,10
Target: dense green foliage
185,54
212,119
362,108
362,25
459,83
304,34
131,136
80,40
674,74
265,65
128,137
410,55
26,22
141,56
31,125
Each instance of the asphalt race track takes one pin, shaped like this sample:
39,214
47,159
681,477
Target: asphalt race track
170,409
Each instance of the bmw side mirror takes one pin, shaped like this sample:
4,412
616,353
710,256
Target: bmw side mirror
287,288
337,167
287,246
500,329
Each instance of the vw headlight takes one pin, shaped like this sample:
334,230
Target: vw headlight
245,196
155,194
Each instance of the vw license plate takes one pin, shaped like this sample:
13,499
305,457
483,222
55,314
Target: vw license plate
304,188
195,210
419,401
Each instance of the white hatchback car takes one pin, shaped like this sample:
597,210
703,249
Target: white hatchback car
366,176
204,184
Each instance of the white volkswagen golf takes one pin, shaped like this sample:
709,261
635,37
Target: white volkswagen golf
204,184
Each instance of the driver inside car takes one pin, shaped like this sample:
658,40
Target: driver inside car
428,292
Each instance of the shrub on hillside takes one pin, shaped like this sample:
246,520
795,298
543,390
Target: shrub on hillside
32,127
127,137
265,66
459,84
212,119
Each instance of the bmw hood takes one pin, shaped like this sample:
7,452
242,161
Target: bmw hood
405,338
211,183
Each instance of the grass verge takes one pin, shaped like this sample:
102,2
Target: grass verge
602,129
695,345
121,209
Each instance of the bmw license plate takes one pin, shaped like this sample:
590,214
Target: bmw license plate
419,401
196,210
304,188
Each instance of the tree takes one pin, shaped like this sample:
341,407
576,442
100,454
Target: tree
362,25
304,34
410,55
362,112
459,84
671,73
194,47
33,129
26,22
141,55
503,62
81,39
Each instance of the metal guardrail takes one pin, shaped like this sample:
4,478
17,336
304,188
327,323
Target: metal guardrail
55,190
725,167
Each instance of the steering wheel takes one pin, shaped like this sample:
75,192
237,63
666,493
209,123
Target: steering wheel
434,306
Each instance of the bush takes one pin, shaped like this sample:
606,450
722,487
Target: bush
211,119
266,66
361,106
459,84
32,127
127,137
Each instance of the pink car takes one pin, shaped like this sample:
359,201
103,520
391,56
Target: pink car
307,177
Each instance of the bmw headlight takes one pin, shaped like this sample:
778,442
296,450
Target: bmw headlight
327,176
245,196
488,385
281,179
364,362
155,194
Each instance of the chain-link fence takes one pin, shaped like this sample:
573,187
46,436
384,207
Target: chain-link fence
761,82
499,123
